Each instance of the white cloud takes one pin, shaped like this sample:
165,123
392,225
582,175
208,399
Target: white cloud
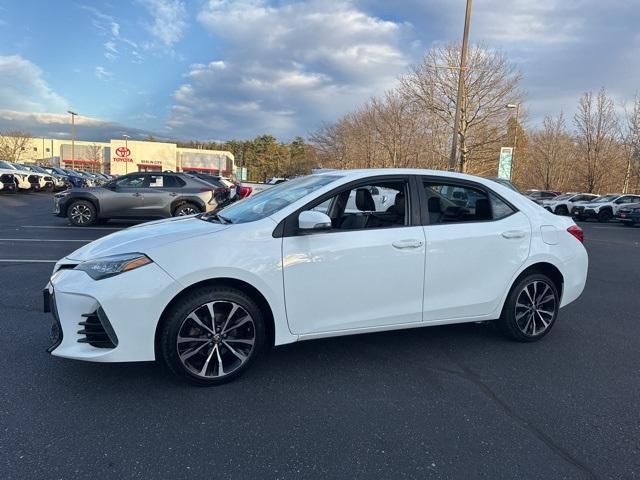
56,125
23,88
102,73
286,68
169,20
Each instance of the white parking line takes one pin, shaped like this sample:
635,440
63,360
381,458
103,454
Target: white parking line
79,229
18,260
40,240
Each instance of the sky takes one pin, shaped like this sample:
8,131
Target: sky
235,69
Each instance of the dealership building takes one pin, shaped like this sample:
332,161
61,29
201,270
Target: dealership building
122,156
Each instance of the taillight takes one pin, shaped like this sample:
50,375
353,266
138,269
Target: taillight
577,232
245,191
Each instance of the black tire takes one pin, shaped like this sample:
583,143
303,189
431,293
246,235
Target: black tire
82,213
604,216
520,323
177,323
562,210
186,208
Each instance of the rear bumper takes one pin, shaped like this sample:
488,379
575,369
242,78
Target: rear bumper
628,217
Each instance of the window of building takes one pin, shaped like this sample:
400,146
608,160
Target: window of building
47,149
35,149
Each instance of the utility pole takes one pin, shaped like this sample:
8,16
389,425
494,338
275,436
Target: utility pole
126,145
453,160
73,139
515,135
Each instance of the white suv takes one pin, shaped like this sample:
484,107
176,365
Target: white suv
563,204
604,208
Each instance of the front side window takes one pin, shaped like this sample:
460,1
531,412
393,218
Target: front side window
133,181
451,203
381,204
274,199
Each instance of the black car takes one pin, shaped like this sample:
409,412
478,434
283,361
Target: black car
629,215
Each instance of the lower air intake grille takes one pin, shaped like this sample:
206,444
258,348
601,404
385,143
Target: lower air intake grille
97,331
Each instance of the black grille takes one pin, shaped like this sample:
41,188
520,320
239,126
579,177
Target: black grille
97,331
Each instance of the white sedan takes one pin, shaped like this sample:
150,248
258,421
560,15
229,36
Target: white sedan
207,294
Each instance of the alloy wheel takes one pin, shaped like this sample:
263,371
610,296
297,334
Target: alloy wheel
184,211
216,339
535,309
80,214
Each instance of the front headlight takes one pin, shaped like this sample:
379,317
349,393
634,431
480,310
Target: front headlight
110,266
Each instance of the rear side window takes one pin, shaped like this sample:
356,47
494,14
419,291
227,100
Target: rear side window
451,203
171,181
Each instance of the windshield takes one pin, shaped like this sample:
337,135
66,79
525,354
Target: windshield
274,199
606,198
565,196
4,164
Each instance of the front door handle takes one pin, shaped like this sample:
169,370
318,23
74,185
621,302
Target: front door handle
513,234
137,195
405,244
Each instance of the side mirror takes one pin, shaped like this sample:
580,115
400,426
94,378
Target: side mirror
111,186
311,220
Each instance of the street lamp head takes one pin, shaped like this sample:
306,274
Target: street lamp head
125,136
72,113
512,105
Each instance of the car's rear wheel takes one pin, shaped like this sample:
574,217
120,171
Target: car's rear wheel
186,209
212,335
82,213
604,216
531,308
562,210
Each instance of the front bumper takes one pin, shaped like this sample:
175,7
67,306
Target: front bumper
109,320
628,217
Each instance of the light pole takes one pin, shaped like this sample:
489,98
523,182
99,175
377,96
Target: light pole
515,134
126,145
73,138
453,160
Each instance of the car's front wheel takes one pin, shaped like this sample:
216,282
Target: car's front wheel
186,209
531,308
82,213
211,335
604,216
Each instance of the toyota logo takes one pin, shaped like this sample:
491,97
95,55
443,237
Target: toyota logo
123,151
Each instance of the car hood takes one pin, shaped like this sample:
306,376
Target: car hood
145,237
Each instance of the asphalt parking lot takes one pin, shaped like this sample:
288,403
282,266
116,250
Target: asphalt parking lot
442,402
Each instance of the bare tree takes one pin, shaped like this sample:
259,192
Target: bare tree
13,144
491,82
596,126
95,154
551,152
631,139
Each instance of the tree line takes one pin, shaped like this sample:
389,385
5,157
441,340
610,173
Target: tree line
598,150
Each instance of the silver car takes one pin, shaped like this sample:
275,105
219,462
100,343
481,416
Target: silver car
137,195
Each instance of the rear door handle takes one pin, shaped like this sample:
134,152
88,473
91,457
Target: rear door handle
513,234
137,194
173,194
405,244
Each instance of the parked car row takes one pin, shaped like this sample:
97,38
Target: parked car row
15,177
588,206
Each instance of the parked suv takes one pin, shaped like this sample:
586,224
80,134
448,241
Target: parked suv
604,208
136,195
563,204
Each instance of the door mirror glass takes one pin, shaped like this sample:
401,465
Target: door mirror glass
313,220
